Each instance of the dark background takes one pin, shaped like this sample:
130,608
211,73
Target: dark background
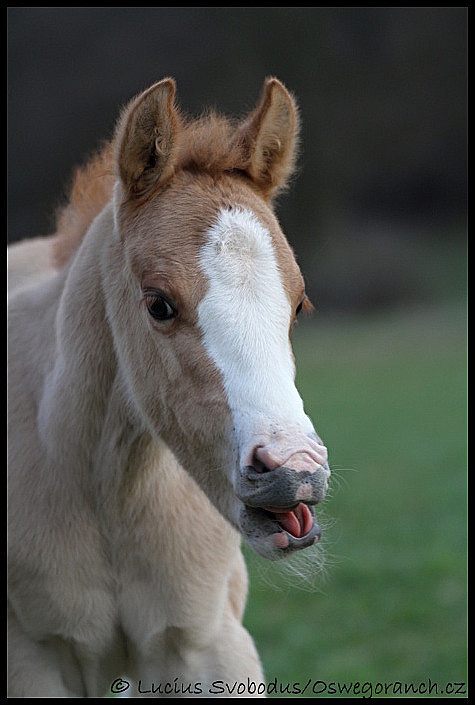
377,213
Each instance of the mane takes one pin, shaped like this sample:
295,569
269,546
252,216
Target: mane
90,190
208,144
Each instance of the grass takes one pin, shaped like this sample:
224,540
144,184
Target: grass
388,395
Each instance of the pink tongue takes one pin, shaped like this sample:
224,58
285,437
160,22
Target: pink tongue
298,522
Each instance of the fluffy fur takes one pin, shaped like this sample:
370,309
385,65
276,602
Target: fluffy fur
125,524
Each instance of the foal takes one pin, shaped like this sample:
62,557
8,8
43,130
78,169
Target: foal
154,419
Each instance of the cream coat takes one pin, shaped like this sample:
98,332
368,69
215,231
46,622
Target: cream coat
123,566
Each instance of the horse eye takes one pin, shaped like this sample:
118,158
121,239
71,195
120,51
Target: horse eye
159,308
299,308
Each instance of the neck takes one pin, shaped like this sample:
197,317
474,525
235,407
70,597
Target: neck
84,417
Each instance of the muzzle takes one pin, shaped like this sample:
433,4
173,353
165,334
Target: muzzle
278,515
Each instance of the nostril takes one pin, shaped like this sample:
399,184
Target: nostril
257,466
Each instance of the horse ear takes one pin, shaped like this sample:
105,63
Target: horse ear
146,139
270,138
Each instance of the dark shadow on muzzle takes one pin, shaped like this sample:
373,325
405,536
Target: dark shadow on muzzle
282,487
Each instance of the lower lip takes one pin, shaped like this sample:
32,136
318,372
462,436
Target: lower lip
281,540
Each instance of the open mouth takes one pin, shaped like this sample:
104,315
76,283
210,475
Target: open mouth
275,532
277,516
297,521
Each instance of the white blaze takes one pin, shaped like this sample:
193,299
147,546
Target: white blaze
245,317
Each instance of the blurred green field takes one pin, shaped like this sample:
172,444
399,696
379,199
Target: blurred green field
388,394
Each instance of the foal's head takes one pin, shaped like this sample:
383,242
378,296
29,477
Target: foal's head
202,290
